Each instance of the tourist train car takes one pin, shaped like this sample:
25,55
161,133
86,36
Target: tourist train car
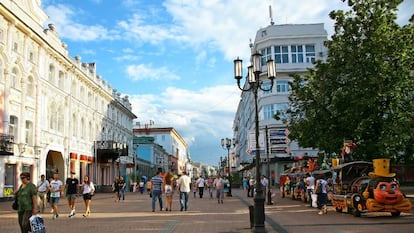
359,189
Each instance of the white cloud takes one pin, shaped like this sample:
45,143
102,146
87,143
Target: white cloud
145,72
62,16
197,115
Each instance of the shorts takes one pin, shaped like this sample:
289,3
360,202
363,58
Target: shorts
87,196
168,190
71,196
54,200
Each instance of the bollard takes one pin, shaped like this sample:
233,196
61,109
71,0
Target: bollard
251,215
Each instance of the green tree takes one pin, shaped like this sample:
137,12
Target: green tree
364,90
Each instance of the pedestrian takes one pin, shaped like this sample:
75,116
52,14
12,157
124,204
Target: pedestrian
252,182
141,186
310,186
219,186
42,190
183,185
168,190
200,185
226,188
245,183
48,194
27,202
148,185
56,189
157,184
210,185
194,188
121,188
321,190
88,190
265,187
115,188
72,185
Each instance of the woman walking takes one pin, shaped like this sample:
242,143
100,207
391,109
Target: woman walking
88,189
27,202
168,189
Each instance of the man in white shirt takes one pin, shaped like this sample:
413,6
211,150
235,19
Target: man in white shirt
252,182
200,184
310,186
42,188
56,188
219,186
183,185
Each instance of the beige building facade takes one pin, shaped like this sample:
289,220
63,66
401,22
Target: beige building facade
56,113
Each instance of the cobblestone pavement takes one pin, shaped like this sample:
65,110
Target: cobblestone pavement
204,215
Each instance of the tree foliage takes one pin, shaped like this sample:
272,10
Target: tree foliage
364,89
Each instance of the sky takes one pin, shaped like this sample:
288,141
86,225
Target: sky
174,58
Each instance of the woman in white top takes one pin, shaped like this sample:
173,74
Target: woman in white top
88,190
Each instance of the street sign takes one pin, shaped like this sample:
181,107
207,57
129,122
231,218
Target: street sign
287,141
287,132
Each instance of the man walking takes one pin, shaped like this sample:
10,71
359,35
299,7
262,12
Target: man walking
121,187
157,188
56,188
72,186
219,186
200,184
42,189
183,184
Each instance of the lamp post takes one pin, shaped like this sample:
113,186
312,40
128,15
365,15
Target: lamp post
227,143
253,79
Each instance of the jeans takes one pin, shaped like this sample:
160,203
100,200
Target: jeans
184,203
156,194
200,191
121,194
310,192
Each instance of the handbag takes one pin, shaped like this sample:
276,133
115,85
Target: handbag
15,204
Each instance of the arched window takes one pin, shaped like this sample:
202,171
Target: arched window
30,88
14,78
51,76
74,126
83,128
73,89
61,80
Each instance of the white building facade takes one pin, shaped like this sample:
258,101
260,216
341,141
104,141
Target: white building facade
54,109
294,48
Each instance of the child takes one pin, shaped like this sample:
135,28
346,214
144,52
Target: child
194,188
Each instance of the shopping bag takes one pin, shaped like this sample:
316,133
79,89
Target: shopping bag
36,224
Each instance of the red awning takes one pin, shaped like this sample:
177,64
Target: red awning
73,156
83,158
90,159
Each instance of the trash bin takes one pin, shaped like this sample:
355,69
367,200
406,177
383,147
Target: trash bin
251,214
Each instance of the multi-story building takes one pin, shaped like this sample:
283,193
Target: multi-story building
56,113
294,48
169,139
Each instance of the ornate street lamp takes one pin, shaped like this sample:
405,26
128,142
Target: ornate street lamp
253,79
227,143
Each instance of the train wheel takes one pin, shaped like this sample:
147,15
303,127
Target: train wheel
395,214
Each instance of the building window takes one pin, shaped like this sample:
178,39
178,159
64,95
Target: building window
281,109
266,55
53,116
29,133
61,80
15,47
268,111
266,86
13,127
14,79
310,53
30,87
83,128
82,94
296,53
51,75
74,126
282,86
73,91
281,54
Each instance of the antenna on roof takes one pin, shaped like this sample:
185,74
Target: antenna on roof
270,14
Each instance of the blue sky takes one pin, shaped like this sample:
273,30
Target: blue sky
174,58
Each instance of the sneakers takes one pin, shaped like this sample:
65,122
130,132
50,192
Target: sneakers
72,213
55,216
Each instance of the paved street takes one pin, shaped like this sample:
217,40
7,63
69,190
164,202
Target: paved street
205,215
